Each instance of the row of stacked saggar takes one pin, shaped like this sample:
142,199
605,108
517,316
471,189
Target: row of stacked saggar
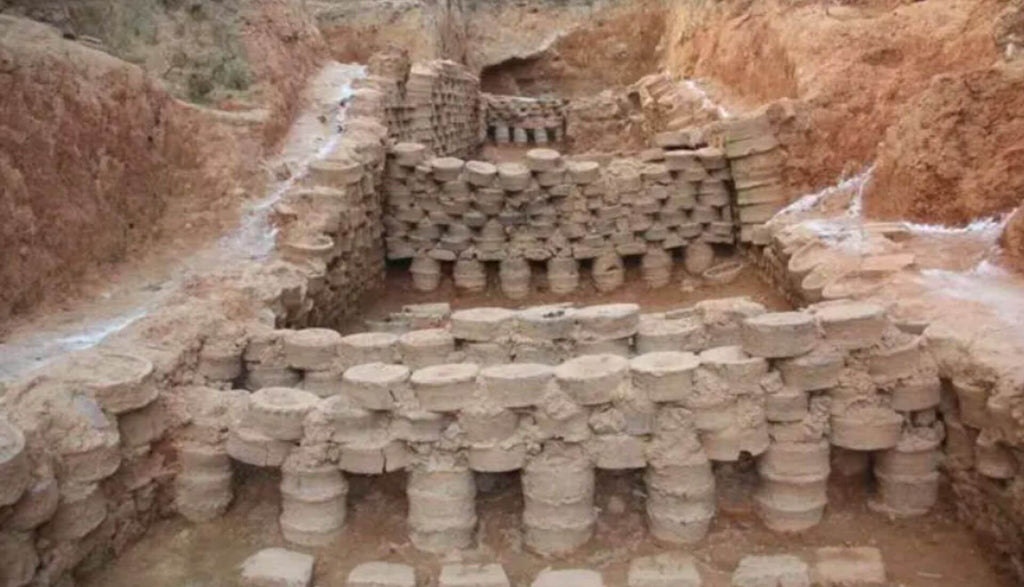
99,445
559,393
548,209
519,120
86,453
754,160
982,387
436,103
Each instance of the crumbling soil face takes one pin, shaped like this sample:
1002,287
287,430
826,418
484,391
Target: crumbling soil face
499,30
83,145
356,29
612,48
98,159
844,74
570,47
284,48
957,153
93,152
740,49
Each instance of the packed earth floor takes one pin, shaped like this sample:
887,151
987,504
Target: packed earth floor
933,551
399,292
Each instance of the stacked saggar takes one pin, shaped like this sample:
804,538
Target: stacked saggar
445,210
330,222
829,567
523,120
436,103
755,161
484,390
851,262
702,175
87,477
83,477
743,181
552,391
977,433
387,71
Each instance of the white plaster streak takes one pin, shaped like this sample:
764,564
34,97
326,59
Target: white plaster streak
985,284
993,226
706,102
99,331
255,237
807,202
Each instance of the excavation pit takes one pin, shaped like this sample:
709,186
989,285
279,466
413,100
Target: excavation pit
478,351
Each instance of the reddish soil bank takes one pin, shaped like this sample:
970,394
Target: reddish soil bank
848,70
100,164
957,153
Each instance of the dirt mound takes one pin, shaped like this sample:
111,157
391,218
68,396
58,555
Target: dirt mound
957,153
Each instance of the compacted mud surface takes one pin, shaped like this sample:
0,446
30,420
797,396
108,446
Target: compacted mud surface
927,552
681,292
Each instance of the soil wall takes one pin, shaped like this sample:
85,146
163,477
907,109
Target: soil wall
566,48
84,159
956,154
98,158
533,47
284,48
427,29
845,73
1013,239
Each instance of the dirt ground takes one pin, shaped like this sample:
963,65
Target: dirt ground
927,552
681,292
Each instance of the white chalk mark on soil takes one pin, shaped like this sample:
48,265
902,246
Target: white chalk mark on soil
705,99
